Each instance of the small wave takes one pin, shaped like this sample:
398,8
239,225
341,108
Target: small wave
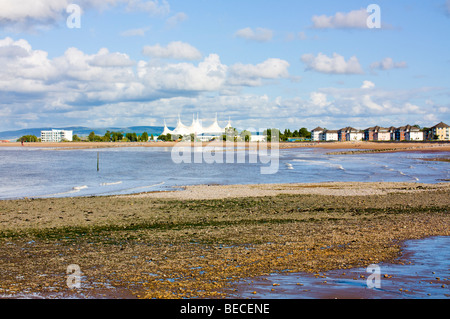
109,184
133,189
149,186
75,189
337,166
78,188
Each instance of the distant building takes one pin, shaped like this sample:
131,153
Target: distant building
330,135
382,134
350,134
56,136
214,131
317,134
441,131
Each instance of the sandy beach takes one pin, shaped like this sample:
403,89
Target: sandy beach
200,242
356,146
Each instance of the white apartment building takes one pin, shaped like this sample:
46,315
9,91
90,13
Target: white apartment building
317,134
330,135
56,136
414,135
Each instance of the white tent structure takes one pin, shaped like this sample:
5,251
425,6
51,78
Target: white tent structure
202,133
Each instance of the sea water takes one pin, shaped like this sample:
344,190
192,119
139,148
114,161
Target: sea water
41,172
423,272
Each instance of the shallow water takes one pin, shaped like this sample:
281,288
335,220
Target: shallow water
35,172
424,274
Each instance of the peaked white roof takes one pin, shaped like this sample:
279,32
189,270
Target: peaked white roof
229,124
195,128
181,129
166,129
214,128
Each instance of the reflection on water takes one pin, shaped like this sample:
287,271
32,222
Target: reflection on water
34,172
424,273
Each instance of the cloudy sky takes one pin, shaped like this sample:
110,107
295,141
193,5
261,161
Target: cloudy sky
265,63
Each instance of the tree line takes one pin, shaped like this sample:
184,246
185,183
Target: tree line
117,137
232,134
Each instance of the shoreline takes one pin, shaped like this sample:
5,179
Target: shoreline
201,245
219,191
354,147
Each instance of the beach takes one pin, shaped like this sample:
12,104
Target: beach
355,146
202,241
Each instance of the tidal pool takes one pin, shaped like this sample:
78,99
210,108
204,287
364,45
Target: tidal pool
423,272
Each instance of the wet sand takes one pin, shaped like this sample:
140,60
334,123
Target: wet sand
357,146
201,246
421,272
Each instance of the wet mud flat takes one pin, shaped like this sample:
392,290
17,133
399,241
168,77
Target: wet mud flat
422,272
168,248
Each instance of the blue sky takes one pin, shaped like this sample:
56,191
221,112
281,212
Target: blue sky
285,63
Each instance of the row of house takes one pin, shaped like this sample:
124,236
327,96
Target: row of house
440,131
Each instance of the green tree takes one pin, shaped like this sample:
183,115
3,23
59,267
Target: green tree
272,132
131,137
91,137
144,137
116,136
246,135
230,134
76,138
165,138
107,136
28,138
303,132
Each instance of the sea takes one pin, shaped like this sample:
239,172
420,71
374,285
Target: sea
34,172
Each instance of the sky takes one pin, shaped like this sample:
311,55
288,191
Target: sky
285,64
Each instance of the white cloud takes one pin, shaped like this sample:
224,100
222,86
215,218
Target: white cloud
332,65
251,75
108,88
176,19
154,7
319,99
106,59
174,50
356,19
368,85
209,75
259,34
388,64
134,32
29,14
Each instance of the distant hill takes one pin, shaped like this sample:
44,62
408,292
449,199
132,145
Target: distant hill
82,131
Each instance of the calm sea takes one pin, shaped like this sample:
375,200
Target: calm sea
36,172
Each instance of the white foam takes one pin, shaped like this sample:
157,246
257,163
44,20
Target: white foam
109,184
78,188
